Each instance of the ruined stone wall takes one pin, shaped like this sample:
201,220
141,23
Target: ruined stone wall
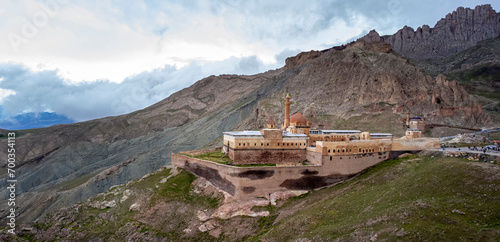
469,111
246,182
415,144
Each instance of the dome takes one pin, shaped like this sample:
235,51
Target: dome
416,118
298,118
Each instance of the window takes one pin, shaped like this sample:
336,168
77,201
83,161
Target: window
359,149
328,151
331,158
278,144
254,144
267,144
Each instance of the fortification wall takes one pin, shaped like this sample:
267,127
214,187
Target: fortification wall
415,144
246,182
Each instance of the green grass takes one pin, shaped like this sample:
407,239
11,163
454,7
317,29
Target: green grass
178,188
427,199
106,223
215,156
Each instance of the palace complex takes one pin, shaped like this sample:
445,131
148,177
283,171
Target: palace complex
300,158
295,143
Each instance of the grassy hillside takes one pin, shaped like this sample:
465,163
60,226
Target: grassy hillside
412,198
420,198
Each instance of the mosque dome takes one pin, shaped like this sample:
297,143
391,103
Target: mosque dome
298,118
416,118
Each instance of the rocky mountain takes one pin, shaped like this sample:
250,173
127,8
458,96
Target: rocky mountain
477,69
458,31
363,85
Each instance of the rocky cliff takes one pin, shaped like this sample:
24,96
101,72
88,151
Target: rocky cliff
456,32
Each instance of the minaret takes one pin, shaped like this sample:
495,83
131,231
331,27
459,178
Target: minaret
287,111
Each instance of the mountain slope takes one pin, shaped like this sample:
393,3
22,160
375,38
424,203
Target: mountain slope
456,32
477,69
412,198
65,164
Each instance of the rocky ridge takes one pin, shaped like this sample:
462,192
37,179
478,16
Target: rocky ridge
458,31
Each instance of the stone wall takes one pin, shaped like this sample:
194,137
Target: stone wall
246,182
270,156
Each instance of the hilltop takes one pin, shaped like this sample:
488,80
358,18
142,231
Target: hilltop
419,197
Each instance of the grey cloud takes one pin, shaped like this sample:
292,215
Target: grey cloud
45,90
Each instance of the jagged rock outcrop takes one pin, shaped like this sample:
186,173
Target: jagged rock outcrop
456,32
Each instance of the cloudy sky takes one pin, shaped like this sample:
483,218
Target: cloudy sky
90,59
